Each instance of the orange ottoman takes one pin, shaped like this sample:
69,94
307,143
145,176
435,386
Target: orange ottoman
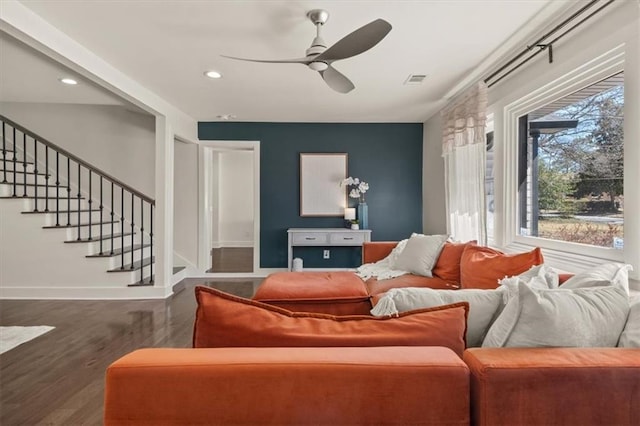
334,293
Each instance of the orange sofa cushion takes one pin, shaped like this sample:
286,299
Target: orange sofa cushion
448,265
554,386
223,320
377,250
482,267
280,386
335,293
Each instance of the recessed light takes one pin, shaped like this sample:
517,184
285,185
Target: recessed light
69,81
213,74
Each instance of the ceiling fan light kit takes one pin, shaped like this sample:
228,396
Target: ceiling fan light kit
319,57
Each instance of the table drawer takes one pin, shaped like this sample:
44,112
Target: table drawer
346,238
309,238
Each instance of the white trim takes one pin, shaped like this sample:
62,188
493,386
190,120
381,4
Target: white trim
220,244
256,274
605,65
85,293
180,260
204,224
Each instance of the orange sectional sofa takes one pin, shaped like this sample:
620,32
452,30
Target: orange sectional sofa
235,375
344,293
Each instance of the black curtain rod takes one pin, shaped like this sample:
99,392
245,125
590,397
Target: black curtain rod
543,46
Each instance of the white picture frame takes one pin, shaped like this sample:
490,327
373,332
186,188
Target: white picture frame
320,191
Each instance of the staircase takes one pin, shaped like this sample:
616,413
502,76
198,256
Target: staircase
77,223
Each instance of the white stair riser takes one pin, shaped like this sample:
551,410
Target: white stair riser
116,261
19,167
6,190
133,277
31,178
94,246
71,233
63,204
50,218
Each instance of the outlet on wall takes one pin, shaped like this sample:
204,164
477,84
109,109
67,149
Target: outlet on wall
326,254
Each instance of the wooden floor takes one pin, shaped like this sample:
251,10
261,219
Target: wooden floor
58,378
232,259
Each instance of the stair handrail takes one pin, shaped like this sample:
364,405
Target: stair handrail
77,159
115,182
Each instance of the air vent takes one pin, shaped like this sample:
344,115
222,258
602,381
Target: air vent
415,78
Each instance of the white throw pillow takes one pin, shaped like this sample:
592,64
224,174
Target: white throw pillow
539,276
483,305
630,337
420,254
601,275
583,317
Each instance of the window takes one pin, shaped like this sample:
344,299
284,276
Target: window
570,167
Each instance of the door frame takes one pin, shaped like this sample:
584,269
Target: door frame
204,192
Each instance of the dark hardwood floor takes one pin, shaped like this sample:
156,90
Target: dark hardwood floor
58,378
232,259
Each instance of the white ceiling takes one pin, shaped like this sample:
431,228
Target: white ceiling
29,76
167,45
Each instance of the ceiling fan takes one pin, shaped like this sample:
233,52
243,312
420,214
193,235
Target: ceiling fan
320,58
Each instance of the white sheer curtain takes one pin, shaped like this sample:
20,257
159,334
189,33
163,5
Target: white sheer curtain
464,152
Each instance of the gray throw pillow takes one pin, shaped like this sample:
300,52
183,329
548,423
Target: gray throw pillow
483,306
420,254
583,317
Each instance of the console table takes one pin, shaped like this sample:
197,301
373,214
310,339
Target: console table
325,237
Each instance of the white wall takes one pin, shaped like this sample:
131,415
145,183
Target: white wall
214,197
434,219
185,207
112,138
236,199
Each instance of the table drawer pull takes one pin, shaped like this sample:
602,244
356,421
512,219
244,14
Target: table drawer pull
310,238
348,238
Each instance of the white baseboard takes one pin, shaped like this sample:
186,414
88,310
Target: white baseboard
220,244
85,293
261,273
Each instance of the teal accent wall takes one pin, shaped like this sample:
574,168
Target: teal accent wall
387,155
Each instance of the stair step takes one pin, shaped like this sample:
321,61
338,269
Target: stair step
18,161
76,225
136,265
20,172
118,251
104,237
145,282
60,211
40,185
41,197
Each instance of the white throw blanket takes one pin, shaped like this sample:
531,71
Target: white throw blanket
383,269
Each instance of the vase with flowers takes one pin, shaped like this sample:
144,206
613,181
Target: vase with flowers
357,189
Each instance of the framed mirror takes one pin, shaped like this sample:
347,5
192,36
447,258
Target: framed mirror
320,190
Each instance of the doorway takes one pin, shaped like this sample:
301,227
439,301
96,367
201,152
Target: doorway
230,186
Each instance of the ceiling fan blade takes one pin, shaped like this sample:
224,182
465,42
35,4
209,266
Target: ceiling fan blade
305,60
336,80
357,42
